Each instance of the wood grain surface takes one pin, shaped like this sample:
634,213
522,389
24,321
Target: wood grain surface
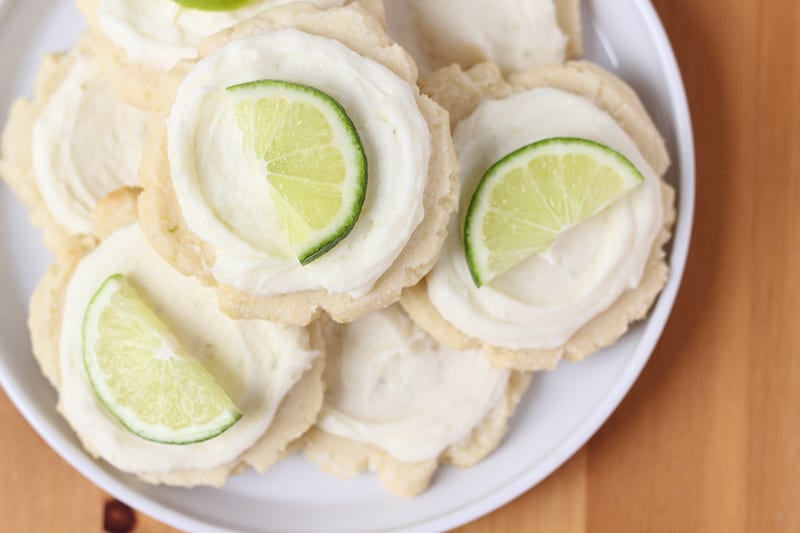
709,437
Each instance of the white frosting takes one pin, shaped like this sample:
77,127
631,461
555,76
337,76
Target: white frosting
543,301
159,33
392,386
222,186
86,143
256,362
514,34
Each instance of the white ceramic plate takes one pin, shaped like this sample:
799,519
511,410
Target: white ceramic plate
562,410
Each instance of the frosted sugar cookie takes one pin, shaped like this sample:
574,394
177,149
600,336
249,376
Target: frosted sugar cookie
152,377
74,143
514,34
398,403
139,41
581,292
300,169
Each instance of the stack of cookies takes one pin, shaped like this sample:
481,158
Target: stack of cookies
350,228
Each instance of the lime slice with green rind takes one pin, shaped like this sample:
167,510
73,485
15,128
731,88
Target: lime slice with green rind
314,161
144,376
529,198
214,5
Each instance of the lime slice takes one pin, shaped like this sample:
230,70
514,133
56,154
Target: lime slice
315,163
533,195
214,5
144,376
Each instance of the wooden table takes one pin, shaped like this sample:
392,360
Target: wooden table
709,437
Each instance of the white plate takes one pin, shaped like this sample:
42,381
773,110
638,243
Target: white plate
562,410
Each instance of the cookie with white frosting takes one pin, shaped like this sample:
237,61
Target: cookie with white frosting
514,34
582,293
272,372
398,403
140,41
206,207
74,143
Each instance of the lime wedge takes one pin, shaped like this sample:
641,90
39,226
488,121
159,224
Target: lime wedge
214,5
144,376
315,163
533,195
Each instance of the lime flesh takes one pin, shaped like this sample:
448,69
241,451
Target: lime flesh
143,375
529,198
314,161
214,5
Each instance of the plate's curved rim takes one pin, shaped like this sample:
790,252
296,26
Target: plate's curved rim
529,478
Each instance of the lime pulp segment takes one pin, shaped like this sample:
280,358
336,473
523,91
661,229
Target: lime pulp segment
314,161
143,375
214,5
531,196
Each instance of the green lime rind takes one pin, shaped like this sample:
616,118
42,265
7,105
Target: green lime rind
322,243
477,209
193,377
214,5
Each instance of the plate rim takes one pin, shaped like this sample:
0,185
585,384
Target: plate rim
533,475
